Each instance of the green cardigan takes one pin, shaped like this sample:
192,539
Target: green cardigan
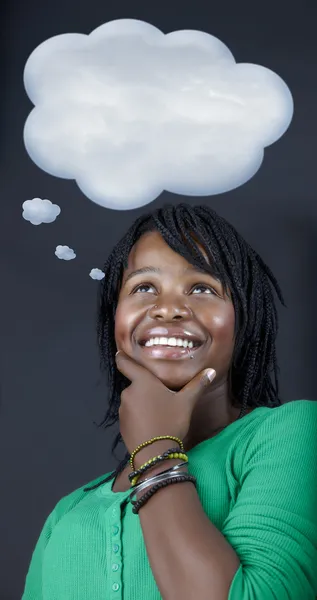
257,482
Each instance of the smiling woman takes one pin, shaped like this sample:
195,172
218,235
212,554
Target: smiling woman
176,301
183,283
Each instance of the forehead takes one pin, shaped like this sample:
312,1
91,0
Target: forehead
152,253
151,247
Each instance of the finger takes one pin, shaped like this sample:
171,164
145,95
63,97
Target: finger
196,386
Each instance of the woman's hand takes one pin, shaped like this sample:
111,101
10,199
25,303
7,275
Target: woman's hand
149,409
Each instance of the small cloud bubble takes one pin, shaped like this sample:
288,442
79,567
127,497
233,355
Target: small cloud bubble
96,274
38,211
65,253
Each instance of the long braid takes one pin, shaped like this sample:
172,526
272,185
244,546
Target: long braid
238,267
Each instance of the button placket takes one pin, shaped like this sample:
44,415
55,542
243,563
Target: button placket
115,573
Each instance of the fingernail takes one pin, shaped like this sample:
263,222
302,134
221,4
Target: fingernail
211,374
117,353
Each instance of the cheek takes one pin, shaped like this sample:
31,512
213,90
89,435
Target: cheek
124,325
222,331
119,324
223,325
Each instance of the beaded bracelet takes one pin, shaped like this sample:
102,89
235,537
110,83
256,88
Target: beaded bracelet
145,498
152,441
170,454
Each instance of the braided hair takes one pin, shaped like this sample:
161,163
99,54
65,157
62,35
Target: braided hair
238,267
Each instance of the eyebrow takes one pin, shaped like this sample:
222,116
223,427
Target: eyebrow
143,270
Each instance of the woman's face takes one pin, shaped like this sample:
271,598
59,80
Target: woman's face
183,303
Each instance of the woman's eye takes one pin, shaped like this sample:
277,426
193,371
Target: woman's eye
204,287
142,286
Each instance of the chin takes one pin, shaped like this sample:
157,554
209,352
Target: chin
175,385
174,388
172,385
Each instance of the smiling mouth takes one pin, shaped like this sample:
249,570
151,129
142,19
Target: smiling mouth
170,352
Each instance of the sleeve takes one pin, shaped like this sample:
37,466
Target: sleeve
33,581
273,524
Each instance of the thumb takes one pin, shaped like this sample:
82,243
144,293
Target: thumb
198,384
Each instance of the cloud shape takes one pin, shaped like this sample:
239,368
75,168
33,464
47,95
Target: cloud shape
38,211
65,253
96,274
128,112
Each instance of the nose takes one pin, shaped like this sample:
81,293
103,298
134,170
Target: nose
170,311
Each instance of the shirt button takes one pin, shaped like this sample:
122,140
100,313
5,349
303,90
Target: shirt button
115,547
115,566
115,587
115,529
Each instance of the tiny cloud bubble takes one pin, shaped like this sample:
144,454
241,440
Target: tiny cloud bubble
38,211
96,274
65,253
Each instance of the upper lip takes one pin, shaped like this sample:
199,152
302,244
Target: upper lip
168,332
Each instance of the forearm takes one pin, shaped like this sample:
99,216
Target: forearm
189,556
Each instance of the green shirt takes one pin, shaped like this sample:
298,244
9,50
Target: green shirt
257,482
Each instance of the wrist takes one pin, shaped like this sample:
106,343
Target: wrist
153,450
156,471
149,452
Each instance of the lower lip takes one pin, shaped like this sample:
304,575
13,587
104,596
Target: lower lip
173,353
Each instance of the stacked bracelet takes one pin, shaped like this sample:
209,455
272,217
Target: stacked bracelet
156,478
172,479
170,454
162,479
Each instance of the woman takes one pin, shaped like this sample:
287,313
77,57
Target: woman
227,506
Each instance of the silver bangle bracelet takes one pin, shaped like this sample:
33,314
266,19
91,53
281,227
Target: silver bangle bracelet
172,471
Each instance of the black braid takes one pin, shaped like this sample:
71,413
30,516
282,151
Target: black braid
239,269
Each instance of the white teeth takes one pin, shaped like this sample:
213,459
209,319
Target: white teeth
164,341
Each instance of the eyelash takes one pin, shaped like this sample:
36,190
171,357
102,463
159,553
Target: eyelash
198,285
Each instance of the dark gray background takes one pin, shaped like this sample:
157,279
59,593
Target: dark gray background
49,362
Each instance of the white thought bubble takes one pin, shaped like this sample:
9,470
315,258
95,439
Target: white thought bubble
38,211
96,274
128,112
65,253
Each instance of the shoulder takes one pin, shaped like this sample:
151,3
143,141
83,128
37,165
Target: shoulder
297,407
290,428
294,416
69,501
